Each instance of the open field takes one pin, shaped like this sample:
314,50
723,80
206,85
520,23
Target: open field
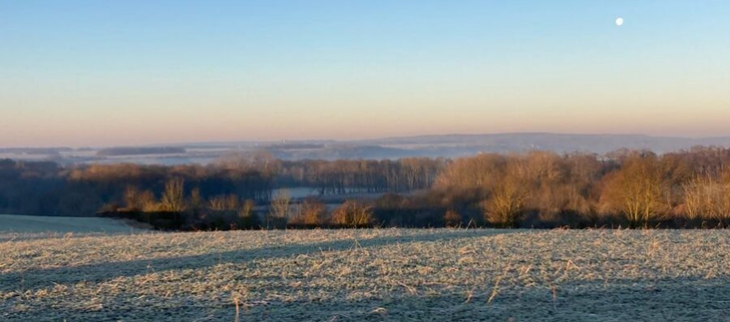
18,226
371,275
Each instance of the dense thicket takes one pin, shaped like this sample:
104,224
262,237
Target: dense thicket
536,189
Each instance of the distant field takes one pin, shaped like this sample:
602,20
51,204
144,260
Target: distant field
39,224
370,275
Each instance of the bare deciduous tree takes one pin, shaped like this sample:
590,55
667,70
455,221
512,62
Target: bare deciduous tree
636,189
195,202
311,212
173,199
279,210
353,214
217,203
137,200
247,217
506,203
707,198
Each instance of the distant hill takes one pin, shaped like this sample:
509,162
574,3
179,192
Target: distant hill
434,146
459,144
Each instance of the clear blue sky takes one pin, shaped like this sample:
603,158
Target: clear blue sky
77,73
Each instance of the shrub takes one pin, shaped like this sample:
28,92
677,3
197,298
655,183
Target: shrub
353,214
173,199
452,218
247,218
311,213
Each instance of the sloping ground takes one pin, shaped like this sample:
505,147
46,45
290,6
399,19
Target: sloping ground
370,275
60,225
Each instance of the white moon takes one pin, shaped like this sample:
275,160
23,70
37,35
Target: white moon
619,21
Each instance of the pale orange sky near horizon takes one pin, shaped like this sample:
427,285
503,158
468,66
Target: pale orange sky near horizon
81,76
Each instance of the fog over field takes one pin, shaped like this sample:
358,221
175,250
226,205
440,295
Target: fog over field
370,275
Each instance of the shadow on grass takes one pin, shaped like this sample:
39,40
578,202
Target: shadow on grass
681,299
42,278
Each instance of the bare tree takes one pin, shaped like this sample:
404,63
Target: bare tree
279,210
137,200
353,214
195,202
707,197
246,216
232,202
506,203
173,199
311,212
636,189
217,203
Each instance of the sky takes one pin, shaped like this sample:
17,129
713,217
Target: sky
120,72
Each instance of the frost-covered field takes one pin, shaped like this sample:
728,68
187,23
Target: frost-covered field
370,275
59,225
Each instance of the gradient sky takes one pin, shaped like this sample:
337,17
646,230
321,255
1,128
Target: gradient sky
100,73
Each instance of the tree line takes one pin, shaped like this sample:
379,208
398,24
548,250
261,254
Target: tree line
629,188
536,189
46,188
369,176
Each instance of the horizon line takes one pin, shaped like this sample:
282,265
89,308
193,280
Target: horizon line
385,138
